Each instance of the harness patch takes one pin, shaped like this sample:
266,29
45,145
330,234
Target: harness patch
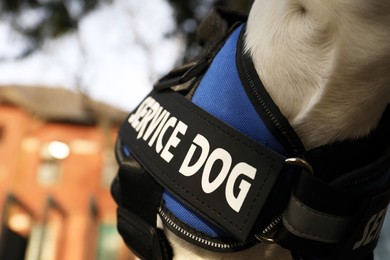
152,122
210,166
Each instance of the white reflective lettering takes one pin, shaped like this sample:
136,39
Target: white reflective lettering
373,230
204,145
154,123
217,154
141,111
365,233
158,130
382,220
173,141
240,169
170,123
147,118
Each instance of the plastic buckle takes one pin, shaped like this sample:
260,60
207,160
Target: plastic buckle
143,239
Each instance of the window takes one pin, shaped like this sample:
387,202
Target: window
49,172
47,236
51,156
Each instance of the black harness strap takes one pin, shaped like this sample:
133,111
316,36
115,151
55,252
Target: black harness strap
323,220
303,219
353,201
335,237
139,196
211,34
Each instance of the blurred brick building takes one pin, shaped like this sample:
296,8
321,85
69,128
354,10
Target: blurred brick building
56,165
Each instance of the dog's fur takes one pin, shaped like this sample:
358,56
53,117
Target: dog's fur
326,65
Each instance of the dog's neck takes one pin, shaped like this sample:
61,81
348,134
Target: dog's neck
326,65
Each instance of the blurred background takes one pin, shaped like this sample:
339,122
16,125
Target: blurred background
70,71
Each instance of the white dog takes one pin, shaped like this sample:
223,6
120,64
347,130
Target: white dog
325,64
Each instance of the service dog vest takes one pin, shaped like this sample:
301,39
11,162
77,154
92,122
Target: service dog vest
210,152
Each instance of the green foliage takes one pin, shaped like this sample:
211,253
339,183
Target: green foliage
57,17
52,18
16,5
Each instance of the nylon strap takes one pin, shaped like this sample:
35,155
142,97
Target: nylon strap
323,221
309,223
138,197
209,166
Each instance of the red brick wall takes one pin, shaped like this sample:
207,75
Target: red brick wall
22,141
13,122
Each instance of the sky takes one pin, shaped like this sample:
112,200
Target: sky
117,54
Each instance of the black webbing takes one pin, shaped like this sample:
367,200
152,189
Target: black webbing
321,220
212,34
139,196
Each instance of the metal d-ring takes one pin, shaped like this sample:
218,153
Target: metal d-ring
295,161
300,162
264,239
